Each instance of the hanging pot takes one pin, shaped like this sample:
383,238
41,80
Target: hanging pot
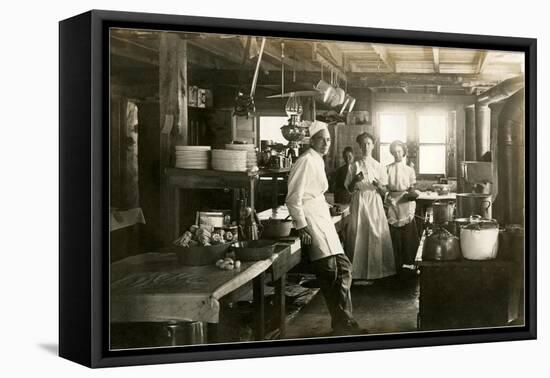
441,245
326,90
338,98
479,240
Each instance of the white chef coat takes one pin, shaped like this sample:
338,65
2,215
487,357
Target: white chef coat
307,183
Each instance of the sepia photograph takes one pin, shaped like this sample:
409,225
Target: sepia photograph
269,188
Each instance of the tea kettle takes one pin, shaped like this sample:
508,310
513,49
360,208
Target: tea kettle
441,245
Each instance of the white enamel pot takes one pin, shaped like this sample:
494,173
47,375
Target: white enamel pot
479,241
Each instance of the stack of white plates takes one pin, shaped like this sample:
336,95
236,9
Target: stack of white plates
251,157
229,160
192,157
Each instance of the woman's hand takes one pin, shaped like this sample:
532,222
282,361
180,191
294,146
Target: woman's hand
354,181
305,236
379,187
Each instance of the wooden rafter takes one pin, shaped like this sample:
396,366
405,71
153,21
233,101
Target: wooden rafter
317,56
220,49
385,56
333,52
435,52
482,61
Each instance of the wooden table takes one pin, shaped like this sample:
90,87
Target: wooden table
153,287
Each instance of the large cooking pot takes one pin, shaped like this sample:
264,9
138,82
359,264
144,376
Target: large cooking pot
479,240
468,204
276,228
441,245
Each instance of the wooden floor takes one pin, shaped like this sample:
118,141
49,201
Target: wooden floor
389,305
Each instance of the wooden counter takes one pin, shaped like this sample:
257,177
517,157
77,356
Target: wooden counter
154,287
462,293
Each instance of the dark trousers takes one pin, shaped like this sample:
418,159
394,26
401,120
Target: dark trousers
405,243
334,277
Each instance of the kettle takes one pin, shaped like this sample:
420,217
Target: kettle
441,245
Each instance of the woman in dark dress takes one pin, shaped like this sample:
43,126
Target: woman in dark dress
341,193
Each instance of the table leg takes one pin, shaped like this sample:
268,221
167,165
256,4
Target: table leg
259,305
280,305
177,213
275,194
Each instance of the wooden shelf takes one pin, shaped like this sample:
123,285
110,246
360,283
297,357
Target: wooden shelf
179,178
209,179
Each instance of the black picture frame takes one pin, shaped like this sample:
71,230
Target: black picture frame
84,190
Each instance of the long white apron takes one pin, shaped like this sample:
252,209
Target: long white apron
368,241
325,241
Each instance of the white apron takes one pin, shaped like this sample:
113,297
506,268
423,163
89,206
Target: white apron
400,178
325,241
368,240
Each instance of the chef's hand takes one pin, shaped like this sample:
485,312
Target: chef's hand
305,237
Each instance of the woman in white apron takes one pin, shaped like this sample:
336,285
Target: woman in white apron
401,209
368,241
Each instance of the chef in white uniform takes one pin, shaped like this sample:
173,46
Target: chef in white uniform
306,203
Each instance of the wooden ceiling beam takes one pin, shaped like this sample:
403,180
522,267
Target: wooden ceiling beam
333,53
320,57
133,54
435,53
229,53
482,61
273,50
384,55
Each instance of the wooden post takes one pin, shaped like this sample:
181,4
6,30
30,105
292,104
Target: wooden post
173,119
470,133
460,145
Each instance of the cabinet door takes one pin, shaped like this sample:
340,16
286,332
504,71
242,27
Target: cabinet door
244,129
464,296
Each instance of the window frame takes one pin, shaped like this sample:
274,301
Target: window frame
445,116
261,114
407,130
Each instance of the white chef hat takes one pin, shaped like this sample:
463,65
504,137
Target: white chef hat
317,126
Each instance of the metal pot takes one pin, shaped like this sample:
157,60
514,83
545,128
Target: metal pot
479,240
456,224
443,212
276,228
441,245
468,204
